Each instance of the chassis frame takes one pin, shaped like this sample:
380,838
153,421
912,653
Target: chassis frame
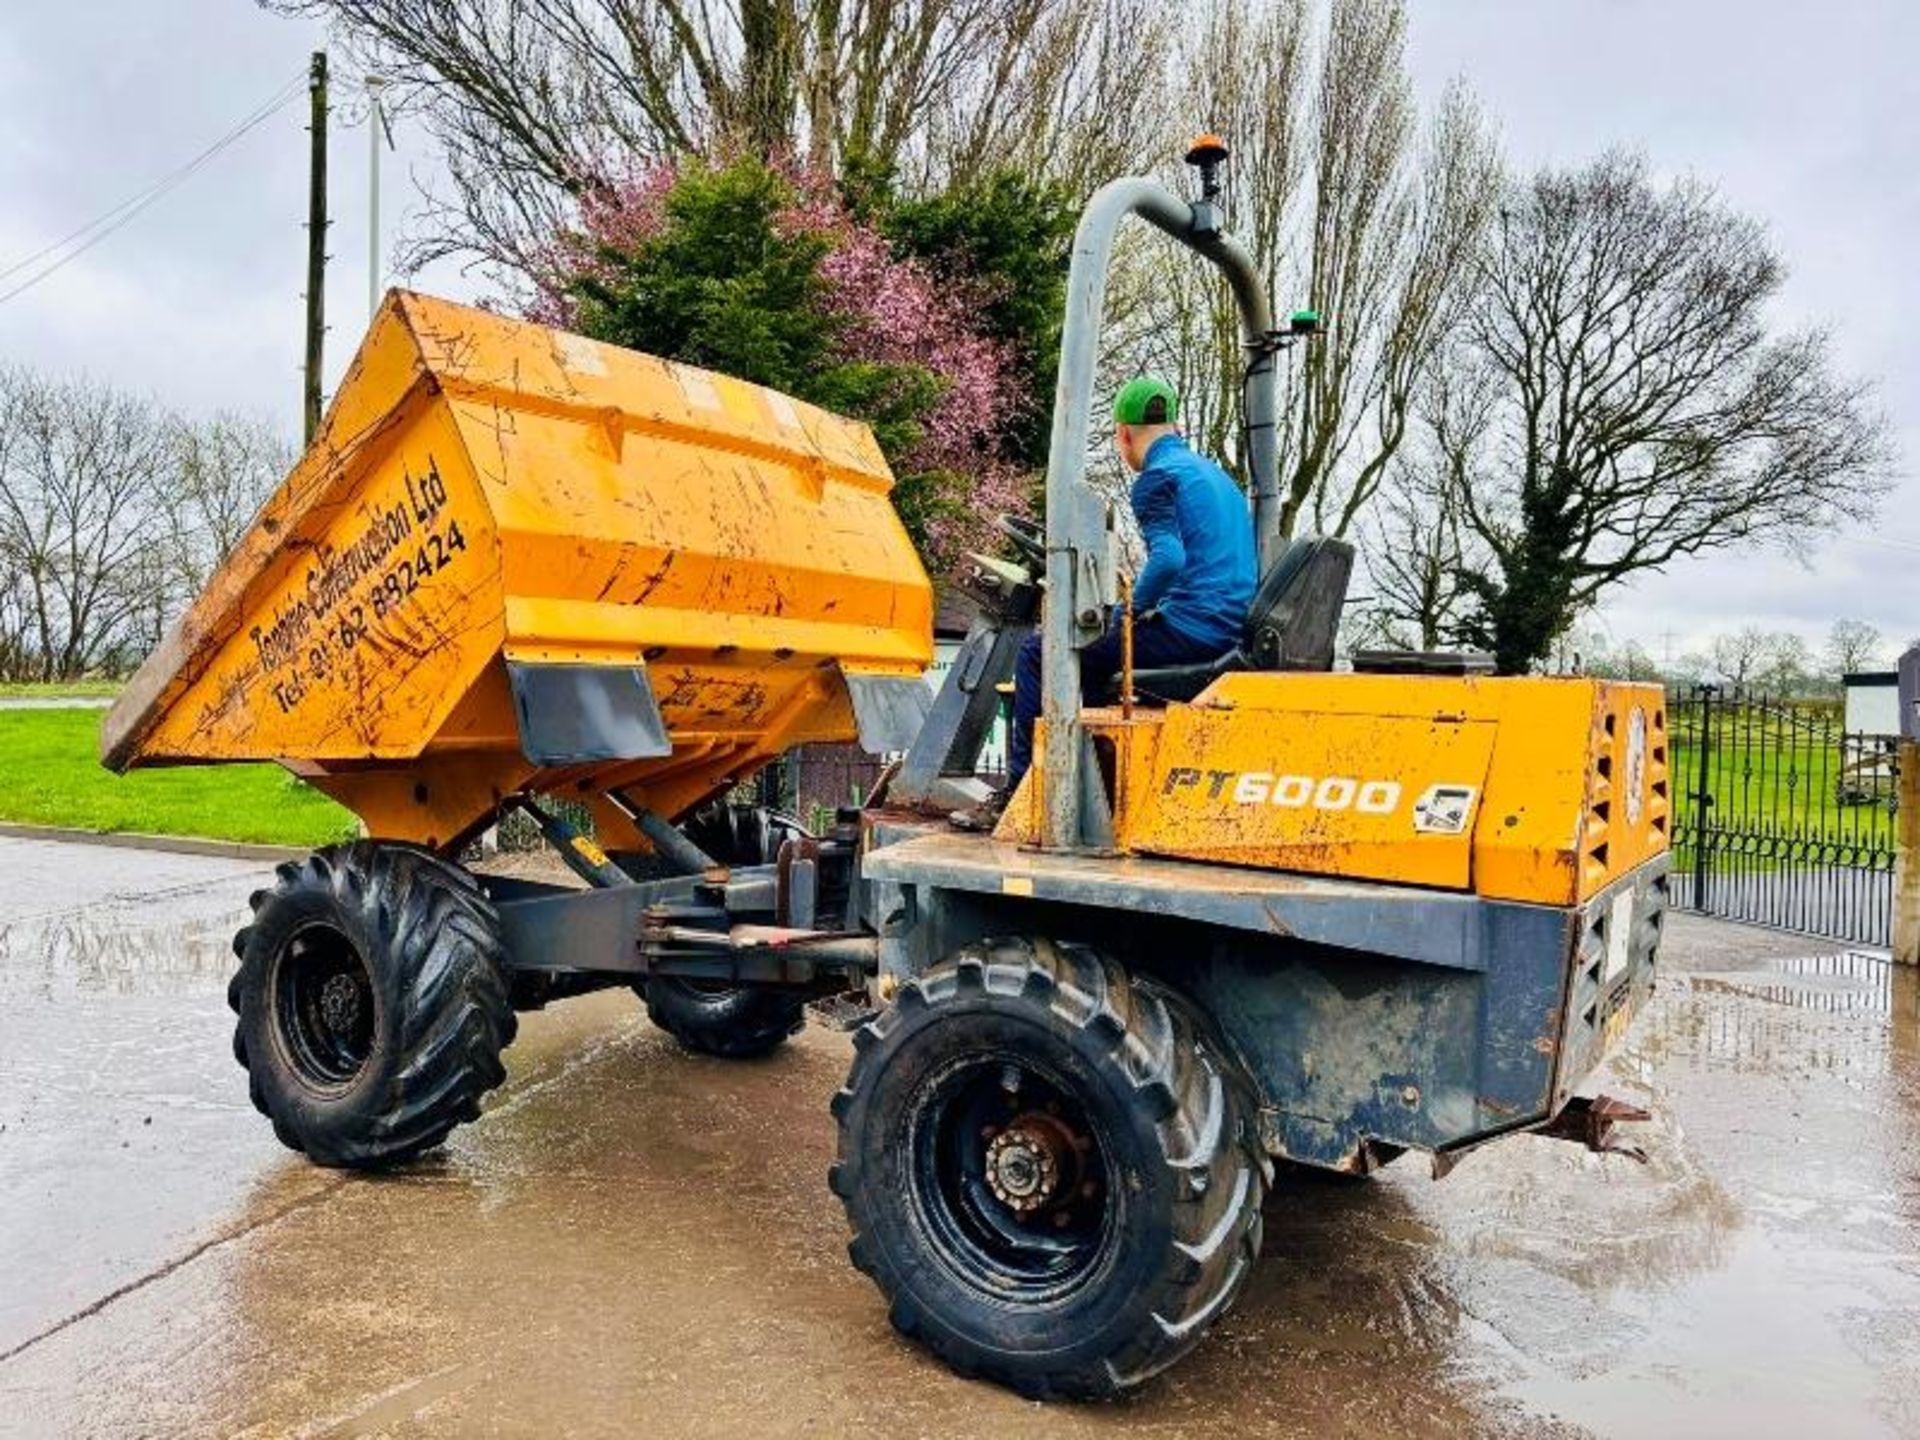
1371,1018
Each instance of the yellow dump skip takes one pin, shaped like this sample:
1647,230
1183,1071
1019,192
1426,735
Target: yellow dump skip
515,558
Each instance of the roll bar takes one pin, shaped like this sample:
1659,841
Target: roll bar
1074,812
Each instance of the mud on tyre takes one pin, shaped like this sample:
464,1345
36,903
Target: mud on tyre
1050,1169
372,1003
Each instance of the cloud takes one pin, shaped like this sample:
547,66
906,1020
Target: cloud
199,299
1804,120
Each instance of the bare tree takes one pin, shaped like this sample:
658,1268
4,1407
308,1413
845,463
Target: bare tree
76,509
1740,657
112,515
1364,123
1419,549
1350,206
1773,660
16,587
537,101
221,469
1073,93
1239,72
1853,646
1645,411
1787,666
1627,661
1414,553
1687,670
1449,209
215,474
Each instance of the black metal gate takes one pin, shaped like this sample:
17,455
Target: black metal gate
1784,818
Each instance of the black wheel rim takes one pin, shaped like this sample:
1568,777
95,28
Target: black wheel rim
1009,1178
323,1008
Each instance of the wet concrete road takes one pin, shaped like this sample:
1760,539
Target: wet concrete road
634,1241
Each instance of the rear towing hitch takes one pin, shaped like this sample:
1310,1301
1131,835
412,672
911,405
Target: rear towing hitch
1589,1121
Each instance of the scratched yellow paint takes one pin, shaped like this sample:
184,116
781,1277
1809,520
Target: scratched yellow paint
484,489
1531,789
1303,793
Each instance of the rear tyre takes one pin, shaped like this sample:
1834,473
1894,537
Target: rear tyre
372,1003
1049,1169
729,1021
742,834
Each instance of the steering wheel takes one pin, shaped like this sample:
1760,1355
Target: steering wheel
1027,537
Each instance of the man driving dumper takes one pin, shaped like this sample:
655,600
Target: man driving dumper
1190,601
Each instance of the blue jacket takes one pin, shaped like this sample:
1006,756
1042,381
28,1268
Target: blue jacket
1200,569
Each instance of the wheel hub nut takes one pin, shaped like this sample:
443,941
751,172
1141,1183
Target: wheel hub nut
340,1004
1022,1169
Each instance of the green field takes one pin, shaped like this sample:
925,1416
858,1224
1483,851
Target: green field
50,775
1762,786
58,689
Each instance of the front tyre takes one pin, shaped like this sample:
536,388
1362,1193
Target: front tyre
372,1003
1049,1171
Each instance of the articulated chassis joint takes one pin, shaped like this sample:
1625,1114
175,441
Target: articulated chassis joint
788,925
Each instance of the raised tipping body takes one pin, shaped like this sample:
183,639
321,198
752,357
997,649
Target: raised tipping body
515,558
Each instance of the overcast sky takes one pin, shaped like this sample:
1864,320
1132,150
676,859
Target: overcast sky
1806,116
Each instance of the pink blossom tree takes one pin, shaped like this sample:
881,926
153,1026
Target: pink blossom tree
938,388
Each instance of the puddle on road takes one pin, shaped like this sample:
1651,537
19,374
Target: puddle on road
124,1125
1848,980
1851,1014
1789,1304
622,1202
175,942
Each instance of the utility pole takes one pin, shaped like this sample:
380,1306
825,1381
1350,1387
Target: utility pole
376,120
316,237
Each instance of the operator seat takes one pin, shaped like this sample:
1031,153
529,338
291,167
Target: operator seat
1291,623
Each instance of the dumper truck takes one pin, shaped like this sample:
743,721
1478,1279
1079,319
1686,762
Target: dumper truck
1238,914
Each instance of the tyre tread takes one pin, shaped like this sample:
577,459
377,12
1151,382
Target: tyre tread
1159,1041
433,921
759,1023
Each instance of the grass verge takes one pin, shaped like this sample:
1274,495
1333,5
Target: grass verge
59,689
1785,792
50,774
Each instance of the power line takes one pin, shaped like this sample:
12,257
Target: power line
103,225
166,182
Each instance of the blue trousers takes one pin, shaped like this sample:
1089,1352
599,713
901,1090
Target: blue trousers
1155,643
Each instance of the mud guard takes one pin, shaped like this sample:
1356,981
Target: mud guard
576,714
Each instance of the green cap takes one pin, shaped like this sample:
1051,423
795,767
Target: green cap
1146,400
